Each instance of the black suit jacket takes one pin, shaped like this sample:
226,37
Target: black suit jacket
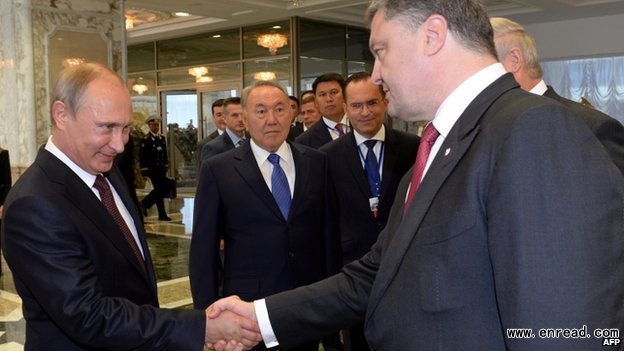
315,137
608,130
201,143
295,131
216,146
5,174
357,225
517,224
264,253
80,283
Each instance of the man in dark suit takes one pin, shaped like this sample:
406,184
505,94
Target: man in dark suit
296,127
518,53
219,122
364,184
74,240
514,215
154,163
234,135
309,116
274,241
328,90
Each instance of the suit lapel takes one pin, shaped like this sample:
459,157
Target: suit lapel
457,142
302,171
390,157
87,202
247,167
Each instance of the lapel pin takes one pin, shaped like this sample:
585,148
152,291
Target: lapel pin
447,152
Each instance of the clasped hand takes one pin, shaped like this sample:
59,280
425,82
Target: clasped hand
231,325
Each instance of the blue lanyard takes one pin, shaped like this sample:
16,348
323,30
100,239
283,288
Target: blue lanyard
381,154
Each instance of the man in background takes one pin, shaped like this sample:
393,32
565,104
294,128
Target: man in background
154,163
328,90
518,53
74,241
219,122
365,168
234,135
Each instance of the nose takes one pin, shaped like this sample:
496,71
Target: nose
119,140
376,74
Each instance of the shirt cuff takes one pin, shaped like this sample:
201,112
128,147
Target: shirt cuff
262,314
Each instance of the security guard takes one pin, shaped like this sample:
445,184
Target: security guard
154,162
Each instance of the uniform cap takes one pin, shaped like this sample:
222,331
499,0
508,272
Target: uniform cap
152,118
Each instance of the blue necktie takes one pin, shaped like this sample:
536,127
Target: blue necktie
279,186
372,168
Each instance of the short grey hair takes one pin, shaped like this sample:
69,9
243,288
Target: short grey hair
509,34
258,84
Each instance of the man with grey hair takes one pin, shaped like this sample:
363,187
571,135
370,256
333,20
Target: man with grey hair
511,220
518,53
267,201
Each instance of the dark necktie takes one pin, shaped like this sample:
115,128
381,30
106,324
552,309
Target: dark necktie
240,142
340,127
279,186
429,136
371,166
107,199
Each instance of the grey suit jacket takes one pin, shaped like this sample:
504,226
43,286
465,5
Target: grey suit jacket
518,223
608,130
80,283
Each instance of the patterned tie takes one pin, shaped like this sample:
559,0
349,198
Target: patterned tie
340,127
429,136
107,199
279,186
372,168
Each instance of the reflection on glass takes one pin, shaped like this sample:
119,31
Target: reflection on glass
199,49
218,73
269,69
313,67
267,39
141,58
324,40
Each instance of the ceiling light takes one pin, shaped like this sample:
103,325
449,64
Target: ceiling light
181,14
272,41
139,88
72,61
264,76
198,71
204,79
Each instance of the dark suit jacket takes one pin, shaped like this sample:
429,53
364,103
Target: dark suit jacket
357,224
201,143
80,283
315,137
216,146
517,224
264,253
608,130
5,174
295,131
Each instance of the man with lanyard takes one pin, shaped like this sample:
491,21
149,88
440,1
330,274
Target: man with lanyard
365,169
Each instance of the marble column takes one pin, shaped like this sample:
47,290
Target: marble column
31,56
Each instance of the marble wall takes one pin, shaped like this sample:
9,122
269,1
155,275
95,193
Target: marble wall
26,75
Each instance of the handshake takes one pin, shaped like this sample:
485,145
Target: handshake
231,325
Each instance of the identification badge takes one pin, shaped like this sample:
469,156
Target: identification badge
374,205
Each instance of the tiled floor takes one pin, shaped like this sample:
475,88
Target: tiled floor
169,245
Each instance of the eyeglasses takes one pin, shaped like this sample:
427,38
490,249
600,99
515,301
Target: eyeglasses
359,106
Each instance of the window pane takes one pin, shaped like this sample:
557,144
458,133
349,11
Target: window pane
269,69
324,40
143,93
141,58
314,67
267,39
213,74
205,48
357,45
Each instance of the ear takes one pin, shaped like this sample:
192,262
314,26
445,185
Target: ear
60,114
436,30
514,61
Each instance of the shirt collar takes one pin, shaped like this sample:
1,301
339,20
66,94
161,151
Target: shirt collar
454,105
540,88
87,178
332,124
381,136
261,154
235,138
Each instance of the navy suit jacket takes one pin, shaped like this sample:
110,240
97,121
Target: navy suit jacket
518,223
608,130
315,137
357,225
264,252
80,283
216,146
295,131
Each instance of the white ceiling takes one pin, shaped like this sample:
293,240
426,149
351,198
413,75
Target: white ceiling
209,15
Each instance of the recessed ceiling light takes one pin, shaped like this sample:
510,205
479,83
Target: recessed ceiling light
276,27
217,36
181,14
